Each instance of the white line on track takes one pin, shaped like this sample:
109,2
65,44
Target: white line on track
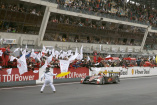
127,78
68,83
36,86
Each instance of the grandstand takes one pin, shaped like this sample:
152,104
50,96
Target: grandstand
107,26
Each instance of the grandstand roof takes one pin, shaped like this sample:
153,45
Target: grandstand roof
151,3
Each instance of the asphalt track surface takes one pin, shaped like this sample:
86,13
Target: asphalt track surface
134,91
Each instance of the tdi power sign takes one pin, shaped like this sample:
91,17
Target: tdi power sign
15,76
74,73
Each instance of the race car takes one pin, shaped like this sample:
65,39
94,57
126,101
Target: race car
113,77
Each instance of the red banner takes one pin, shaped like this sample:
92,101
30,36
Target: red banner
15,76
74,73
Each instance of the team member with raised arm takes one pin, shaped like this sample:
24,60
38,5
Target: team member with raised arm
47,76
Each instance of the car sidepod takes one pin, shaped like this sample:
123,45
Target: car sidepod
100,80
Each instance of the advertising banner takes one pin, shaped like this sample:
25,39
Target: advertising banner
74,73
12,74
9,41
83,72
64,65
126,72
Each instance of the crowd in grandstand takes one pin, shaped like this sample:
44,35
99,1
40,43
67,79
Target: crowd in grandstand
119,8
93,29
20,17
86,22
78,22
19,8
38,59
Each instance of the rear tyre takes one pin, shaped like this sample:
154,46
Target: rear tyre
116,80
103,81
87,77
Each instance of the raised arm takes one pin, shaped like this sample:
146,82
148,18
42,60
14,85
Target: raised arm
42,76
53,74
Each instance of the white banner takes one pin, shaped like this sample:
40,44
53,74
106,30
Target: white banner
33,55
64,65
9,41
1,53
12,58
9,71
22,65
45,65
126,72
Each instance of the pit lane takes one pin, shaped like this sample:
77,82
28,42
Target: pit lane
134,91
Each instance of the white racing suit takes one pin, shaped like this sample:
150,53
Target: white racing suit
47,81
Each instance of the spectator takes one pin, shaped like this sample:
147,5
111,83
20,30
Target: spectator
138,62
6,55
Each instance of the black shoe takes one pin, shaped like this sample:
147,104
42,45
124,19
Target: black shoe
54,91
41,91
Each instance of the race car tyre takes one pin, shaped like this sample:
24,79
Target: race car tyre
87,77
116,80
83,82
103,81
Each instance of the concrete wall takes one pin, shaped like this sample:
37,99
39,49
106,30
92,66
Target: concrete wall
20,38
89,47
125,73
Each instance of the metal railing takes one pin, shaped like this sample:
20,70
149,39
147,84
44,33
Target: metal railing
52,1
154,28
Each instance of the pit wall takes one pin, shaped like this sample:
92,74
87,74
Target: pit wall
127,72
15,79
77,74
74,76
11,77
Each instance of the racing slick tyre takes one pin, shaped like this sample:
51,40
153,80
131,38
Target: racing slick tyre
116,80
103,81
87,77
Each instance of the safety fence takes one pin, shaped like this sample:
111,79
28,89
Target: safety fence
74,75
127,72
11,77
